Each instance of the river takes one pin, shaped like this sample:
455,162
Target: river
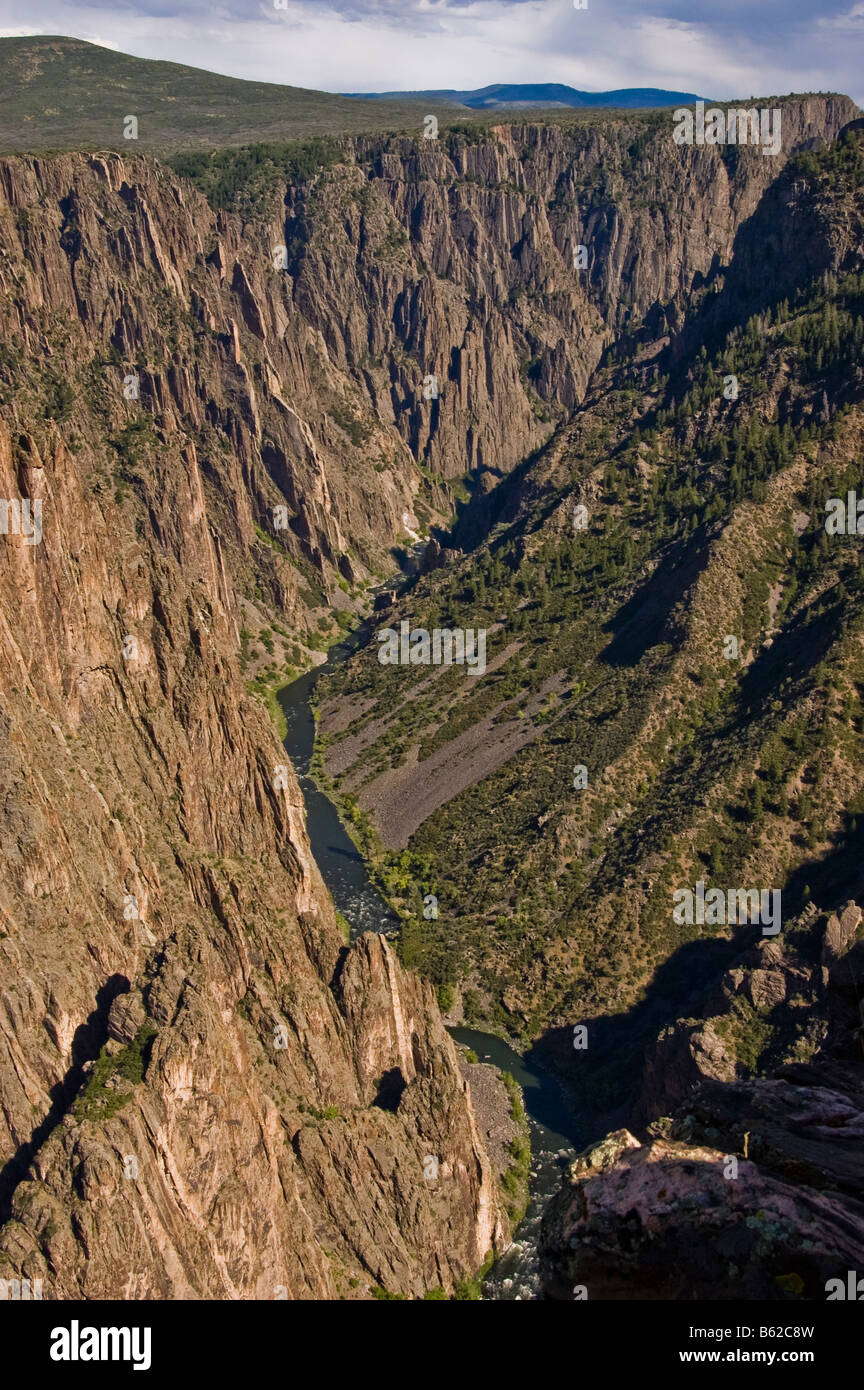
341,864
553,1128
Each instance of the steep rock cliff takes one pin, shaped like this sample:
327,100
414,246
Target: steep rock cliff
203,1091
455,257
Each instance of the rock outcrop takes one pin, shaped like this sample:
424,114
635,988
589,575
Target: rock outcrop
746,1187
678,1219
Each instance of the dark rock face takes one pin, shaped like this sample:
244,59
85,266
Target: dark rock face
186,1096
436,556
747,1188
672,1220
483,295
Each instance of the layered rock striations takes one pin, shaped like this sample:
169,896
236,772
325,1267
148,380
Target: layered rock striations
204,1093
162,918
218,420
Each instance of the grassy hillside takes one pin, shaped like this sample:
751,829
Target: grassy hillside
608,649
61,93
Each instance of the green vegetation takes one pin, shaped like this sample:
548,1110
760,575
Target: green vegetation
132,444
516,1180
245,178
357,430
267,685
61,93
99,1100
470,1290
746,1033
739,771
319,1114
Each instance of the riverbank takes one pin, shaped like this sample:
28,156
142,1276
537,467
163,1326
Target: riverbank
521,1111
553,1136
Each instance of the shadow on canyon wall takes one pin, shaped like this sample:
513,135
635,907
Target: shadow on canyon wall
604,1081
87,1042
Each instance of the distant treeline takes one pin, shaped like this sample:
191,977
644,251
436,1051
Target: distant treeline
231,177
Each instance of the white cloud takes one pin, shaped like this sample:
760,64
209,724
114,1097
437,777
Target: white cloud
733,49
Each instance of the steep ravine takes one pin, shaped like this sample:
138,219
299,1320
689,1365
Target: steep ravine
198,1076
553,1127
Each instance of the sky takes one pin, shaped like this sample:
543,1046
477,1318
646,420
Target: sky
723,48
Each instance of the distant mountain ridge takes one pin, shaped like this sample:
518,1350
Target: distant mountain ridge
537,94
64,93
